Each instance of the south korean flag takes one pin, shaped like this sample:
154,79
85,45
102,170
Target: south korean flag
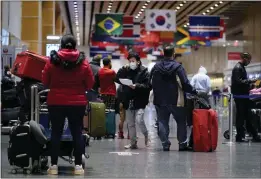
160,20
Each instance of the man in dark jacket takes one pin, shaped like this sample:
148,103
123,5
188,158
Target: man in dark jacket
241,86
135,97
165,88
95,65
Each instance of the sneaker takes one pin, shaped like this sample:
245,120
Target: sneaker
147,141
78,170
131,146
53,170
120,135
183,147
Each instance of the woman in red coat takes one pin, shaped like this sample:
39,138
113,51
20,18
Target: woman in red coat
68,76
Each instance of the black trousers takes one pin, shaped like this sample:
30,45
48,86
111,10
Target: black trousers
244,117
74,114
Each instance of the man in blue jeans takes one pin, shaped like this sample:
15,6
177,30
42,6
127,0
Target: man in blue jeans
165,87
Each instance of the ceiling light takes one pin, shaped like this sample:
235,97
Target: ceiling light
53,37
216,5
145,4
75,5
143,7
142,10
148,1
136,17
207,10
224,45
110,3
181,5
185,25
74,2
204,13
228,44
220,2
178,7
78,34
109,6
184,2
108,9
77,29
211,7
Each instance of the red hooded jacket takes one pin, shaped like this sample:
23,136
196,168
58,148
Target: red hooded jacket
68,86
106,80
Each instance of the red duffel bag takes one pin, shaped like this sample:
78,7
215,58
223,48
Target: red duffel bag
205,130
29,65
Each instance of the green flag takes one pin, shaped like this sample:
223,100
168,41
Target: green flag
109,24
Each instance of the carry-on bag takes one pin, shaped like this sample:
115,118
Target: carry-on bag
29,65
205,130
110,123
97,121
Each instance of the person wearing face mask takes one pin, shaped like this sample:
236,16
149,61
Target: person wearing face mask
135,97
241,86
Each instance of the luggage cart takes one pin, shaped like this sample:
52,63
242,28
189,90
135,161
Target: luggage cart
40,113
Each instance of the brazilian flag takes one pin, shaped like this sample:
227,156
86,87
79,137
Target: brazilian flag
109,24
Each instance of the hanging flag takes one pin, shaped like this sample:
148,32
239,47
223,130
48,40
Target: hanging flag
204,27
160,20
108,24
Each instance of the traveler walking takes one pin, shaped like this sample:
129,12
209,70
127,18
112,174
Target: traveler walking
165,88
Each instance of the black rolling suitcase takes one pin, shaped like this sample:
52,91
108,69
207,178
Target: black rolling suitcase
24,151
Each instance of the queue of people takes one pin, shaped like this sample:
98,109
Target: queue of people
68,75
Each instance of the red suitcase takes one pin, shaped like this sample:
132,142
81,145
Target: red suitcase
205,130
30,65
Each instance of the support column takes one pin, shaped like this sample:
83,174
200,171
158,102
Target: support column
31,29
48,23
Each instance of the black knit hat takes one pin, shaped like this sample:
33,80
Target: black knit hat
68,42
245,55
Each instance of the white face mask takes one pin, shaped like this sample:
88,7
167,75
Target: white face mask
133,65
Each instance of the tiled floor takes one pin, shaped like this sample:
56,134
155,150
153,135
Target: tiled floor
239,160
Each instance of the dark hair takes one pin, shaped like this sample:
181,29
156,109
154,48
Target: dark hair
169,51
68,42
7,68
106,61
245,55
133,55
97,58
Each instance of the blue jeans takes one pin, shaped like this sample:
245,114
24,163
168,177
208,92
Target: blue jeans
179,114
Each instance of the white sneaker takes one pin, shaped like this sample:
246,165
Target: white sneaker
131,146
53,170
78,170
147,141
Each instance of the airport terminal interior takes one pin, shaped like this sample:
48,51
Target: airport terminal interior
222,38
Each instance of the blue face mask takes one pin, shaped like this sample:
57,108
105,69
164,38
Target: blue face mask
133,65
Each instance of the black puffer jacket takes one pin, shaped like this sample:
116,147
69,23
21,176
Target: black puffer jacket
139,95
240,84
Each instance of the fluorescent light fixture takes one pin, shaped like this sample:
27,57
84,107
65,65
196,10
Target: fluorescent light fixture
216,5
148,1
108,9
220,2
142,10
77,29
185,25
109,6
75,5
74,2
146,4
136,17
76,11
178,7
53,37
207,10
204,13
181,5
184,2
211,7
143,7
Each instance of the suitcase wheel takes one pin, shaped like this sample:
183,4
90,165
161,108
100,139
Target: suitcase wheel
226,134
27,171
14,171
